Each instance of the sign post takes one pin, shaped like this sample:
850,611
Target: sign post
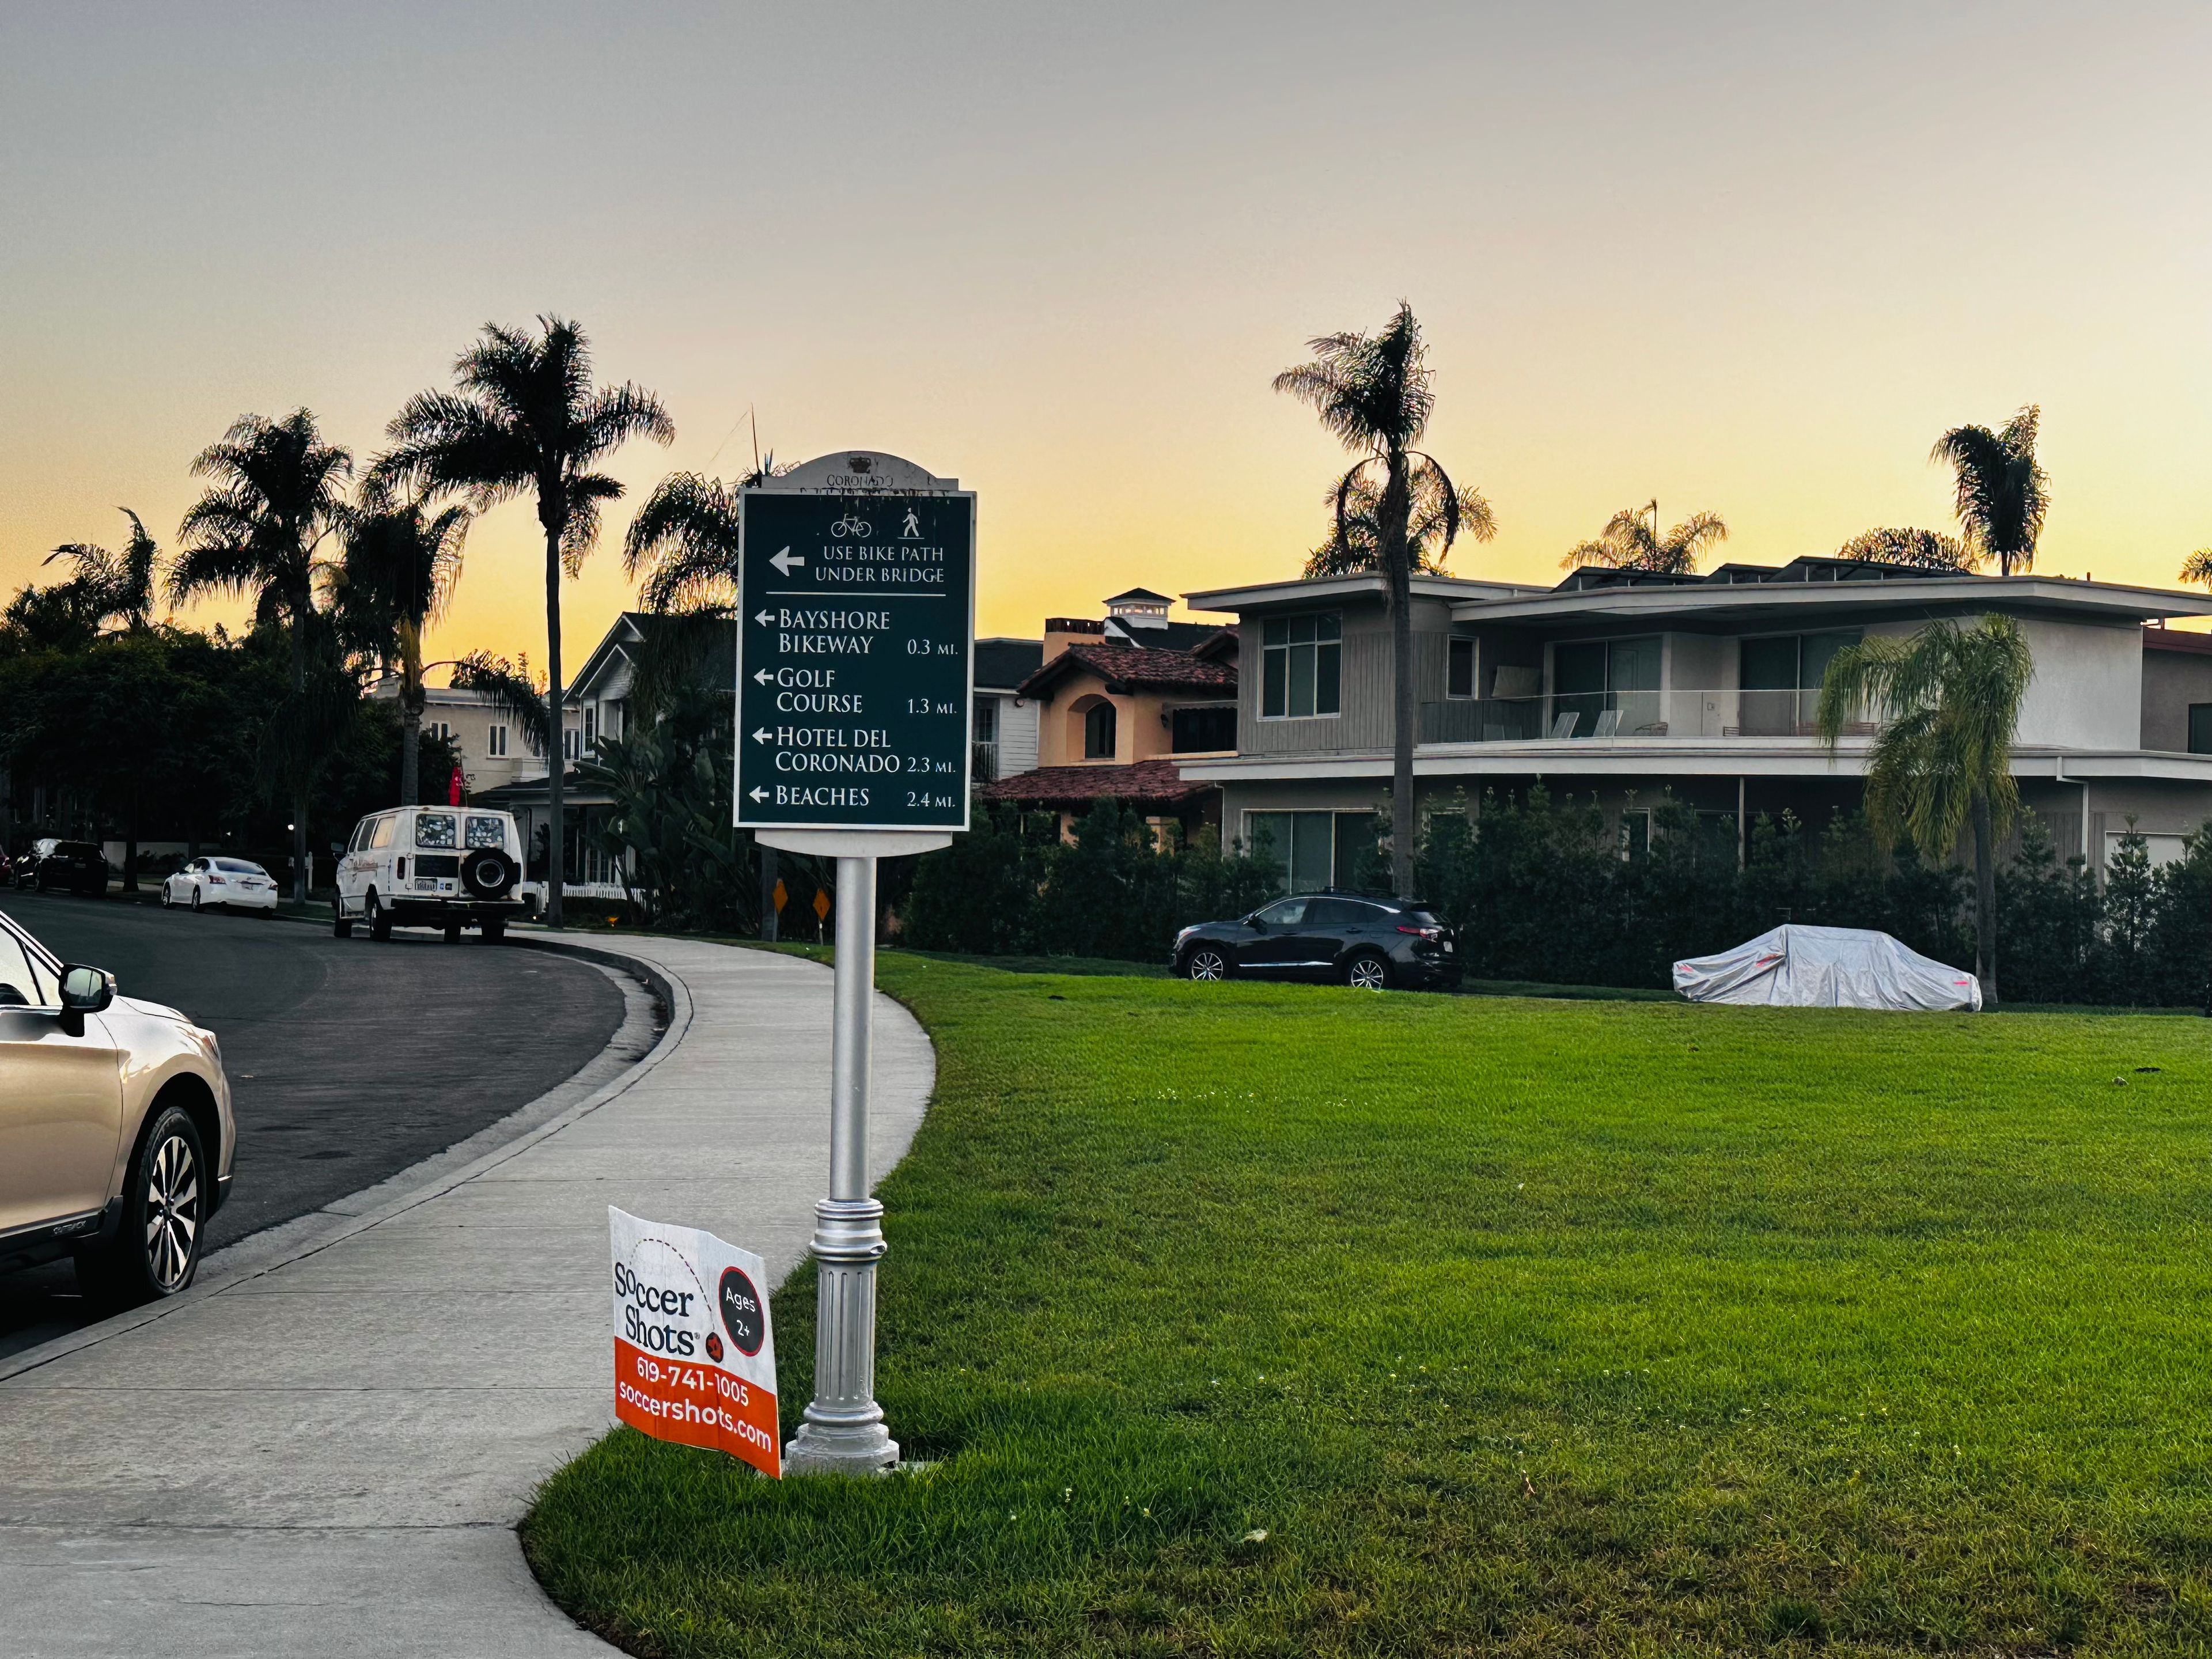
855,678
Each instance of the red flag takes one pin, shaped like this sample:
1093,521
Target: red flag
453,794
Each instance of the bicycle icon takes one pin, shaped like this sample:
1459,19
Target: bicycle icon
849,526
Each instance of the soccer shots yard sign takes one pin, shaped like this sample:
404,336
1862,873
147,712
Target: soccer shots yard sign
695,1360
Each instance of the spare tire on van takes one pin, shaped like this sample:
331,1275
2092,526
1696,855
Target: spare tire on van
488,872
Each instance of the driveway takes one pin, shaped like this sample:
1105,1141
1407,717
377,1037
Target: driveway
349,1059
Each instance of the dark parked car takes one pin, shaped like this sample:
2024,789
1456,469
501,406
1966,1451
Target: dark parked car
78,866
1352,940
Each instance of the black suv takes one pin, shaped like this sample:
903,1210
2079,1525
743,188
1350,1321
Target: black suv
78,866
1349,937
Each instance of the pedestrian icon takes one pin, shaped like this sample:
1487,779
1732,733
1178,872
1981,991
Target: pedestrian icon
911,531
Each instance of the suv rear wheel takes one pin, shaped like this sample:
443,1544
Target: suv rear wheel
156,1250
1368,971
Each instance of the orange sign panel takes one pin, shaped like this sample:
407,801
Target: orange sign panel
695,1357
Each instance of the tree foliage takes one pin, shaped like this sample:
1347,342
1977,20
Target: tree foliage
2002,492
1627,542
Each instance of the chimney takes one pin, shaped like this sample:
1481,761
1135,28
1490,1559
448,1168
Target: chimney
1061,632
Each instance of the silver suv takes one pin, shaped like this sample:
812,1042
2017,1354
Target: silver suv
116,1132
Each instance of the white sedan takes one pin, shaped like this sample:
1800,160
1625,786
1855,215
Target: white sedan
232,882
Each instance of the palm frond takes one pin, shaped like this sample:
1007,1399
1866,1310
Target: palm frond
1947,700
1371,392
2001,492
2197,567
510,689
687,532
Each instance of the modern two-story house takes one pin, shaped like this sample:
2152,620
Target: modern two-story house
1630,686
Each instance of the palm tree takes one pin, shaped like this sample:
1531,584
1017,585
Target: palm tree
2002,493
2197,567
527,421
1355,550
1922,549
115,584
1948,700
398,572
1372,393
278,491
1627,542
685,539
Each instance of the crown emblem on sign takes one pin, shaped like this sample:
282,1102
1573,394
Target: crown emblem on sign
857,464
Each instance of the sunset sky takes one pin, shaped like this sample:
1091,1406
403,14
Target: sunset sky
1752,258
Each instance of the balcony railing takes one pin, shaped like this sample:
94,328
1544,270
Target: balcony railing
1614,715
983,761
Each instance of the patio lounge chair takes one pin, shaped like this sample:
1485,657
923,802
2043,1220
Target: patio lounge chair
1564,726
1608,724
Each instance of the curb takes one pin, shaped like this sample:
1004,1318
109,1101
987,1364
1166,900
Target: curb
310,1240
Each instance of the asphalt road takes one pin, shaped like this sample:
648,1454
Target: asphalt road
349,1060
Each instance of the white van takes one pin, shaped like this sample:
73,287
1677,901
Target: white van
448,867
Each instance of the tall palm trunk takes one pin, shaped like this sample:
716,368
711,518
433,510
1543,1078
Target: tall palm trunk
552,516
412,700
1985,902
300,871
1398,579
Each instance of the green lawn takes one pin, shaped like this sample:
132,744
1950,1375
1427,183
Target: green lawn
1252,1320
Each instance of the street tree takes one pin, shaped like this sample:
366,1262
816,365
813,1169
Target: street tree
277,490
1628,543
1373,394
398,574
2002,491
1947,700
527,420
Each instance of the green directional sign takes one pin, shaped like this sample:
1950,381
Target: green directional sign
855,649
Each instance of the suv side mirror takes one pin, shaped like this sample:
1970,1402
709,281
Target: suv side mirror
1254,922
86,990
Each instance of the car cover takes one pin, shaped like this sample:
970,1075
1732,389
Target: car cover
1795,966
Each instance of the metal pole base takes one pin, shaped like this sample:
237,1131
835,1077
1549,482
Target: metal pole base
843,1430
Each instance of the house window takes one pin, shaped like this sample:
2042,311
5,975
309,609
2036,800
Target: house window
2200,728
1301,666
1608,686
569,744
495,741
1311,850
1781,681
1098,733
1208,728
986,720
591,726
439,730
1459,667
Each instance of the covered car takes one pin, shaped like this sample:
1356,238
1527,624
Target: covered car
1797,967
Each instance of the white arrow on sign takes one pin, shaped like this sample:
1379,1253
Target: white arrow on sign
763,677
784,560
758,794
764,618
763,735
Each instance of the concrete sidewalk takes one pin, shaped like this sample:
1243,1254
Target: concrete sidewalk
324,1448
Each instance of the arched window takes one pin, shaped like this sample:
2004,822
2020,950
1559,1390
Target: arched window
1098,733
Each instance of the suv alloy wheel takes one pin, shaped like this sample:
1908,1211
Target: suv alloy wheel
1207,962
1367,972
156,1250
